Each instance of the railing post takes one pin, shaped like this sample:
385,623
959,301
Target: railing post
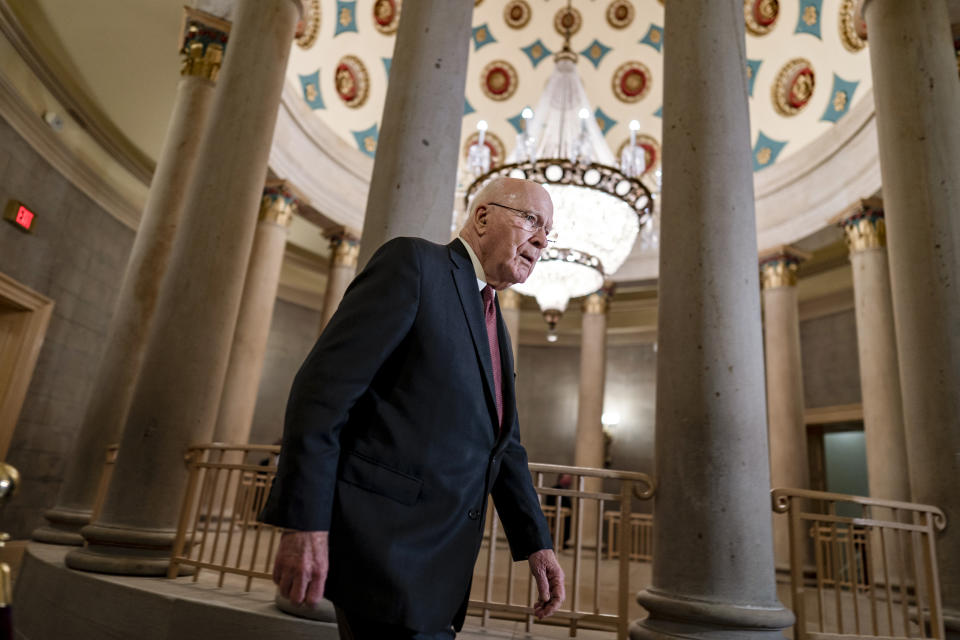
192,458
623,590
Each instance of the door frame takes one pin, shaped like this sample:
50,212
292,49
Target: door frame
22,353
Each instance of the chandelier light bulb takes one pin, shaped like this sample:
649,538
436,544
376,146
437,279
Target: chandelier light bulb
584,113
527,113
551,336
481,127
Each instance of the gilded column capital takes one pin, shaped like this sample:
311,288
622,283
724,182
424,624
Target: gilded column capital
599,301
778,266
344,248
509,299
203,40
863,225
279,203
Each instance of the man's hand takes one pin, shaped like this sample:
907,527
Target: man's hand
549,578
300,570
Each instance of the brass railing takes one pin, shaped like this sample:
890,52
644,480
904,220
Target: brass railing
640,533
503,589
875,566
227,487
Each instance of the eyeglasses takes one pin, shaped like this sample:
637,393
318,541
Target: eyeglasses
531,222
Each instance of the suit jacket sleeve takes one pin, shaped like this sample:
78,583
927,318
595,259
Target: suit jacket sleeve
376,313
517,502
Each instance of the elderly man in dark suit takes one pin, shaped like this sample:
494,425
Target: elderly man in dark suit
402,421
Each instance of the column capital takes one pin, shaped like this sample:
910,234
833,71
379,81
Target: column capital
599,301
344,247
203,40
279,203
863,225
509,299
778,266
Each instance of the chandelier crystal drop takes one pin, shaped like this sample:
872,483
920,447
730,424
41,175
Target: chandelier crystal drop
599,204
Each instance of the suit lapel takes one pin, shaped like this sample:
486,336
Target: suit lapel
466,283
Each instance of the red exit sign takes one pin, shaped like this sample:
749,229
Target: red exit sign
20,216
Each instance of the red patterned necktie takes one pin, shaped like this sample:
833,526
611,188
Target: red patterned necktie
490,318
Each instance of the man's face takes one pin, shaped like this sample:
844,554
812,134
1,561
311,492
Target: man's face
510,251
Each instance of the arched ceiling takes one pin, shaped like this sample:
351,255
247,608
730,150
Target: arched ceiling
802,41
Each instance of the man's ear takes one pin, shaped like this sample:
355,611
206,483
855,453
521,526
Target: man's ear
480,218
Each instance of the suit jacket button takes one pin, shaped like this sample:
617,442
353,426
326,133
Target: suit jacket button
473,514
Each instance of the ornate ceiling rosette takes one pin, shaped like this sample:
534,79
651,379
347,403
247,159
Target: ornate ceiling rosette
567,20
651,151
498,80
309,25
620,14
631,81
853,28
793,87
352,82
386,16
492,142
761,15
516,14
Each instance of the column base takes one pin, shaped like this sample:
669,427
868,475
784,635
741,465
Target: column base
64,526
673,616
125,551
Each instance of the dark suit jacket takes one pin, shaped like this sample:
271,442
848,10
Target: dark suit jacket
390,441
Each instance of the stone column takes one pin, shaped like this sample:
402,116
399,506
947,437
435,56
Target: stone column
344,249
918,98
239,397
414,176
510,309
887,468
202,46
588,451
713,571
789,466
177,396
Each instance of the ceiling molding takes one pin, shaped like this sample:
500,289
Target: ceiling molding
334,176
78,105
48,144
803,192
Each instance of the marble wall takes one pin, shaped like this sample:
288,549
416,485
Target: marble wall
76,256
293,331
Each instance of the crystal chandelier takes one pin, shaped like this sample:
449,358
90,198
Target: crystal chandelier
599,205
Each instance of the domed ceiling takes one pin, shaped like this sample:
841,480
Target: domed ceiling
806,58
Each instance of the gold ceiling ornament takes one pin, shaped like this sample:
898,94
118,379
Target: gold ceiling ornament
863,225
598,302
853,28
631,81
761,15
567,20
352,81
476,3
778,266
651,151
279,203
345,247
386,16
793,87
517,14
492,141
309,26
498,80
203,40
620,14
